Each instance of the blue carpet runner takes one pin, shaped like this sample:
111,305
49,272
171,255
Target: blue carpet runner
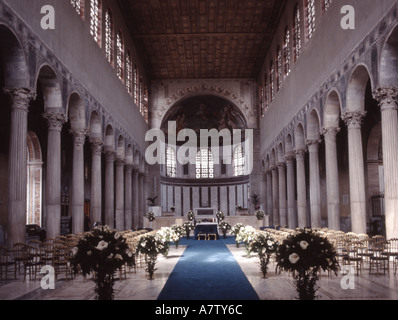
207,271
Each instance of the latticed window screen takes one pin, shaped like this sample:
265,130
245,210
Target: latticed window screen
272,80
297,33
136,85
279,67
310,18
109,36
79,7
326,5
95,20
286,52
204,164
239,161
171,163
129,73
266,93
120,55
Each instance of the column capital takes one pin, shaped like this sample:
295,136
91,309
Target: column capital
280,165
79,137
354,119
96,148
300,153
55,120
387,97
120,162
21,97
289,157
110,156
330,132
129,167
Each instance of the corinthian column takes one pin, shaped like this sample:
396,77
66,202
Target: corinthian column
110,189
275,196
136,220
301,188
315,189
77,205
269,195
17,165
282,194
53,174
332,178
120,194
291,201
96,182
357,172
388,99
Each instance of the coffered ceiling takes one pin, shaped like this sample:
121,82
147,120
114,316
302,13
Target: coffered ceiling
202,38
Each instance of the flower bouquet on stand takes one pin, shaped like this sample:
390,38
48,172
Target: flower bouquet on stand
178,232
102,251
188,226
191,215
150,245
305,254
235,231
220,216
246,235
260,215
264,245
225,227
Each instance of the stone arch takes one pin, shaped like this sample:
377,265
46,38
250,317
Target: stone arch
95,127
356,89
109,143
299,135
129,155
121,148
51,89
280,152
332,110
14,63
388,71
77,114
289,146
313,125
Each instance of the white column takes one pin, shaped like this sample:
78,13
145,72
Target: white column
96,182
301,188
136,219
53,174
128,206
291,199
119,194
332,178
315,190
17,165
269,196
387,98
77,201
110,189
275,196
357,172
282,194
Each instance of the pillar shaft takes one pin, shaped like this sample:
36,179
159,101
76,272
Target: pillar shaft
301,188
332,178
17,165
96,182
119,214
282,194
291,199
315,188
128,218
275,196
357,172
110,189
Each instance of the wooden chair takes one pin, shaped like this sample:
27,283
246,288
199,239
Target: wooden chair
202,236
378,260
61,261
211,235
6,262
32,262
18,250
352,257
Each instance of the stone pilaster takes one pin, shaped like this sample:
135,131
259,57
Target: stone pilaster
53,174
388,101
128,205
353,121
17,164
332,178
275,196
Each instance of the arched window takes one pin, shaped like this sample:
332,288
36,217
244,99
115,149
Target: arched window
204,164
171,163
286,52
261,99
266,93
297,33
120,55
272,80
325,5
146,104
279,68
239,161
95,20
109,36
136,85
79,7
310,15
141,96
129,73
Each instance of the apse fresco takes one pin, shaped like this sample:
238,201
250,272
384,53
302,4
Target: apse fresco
205,112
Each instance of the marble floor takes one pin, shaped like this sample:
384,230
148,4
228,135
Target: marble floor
135,285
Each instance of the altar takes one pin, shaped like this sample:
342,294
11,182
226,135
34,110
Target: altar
206,228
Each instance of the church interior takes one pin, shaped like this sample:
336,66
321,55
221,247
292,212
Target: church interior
280,115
